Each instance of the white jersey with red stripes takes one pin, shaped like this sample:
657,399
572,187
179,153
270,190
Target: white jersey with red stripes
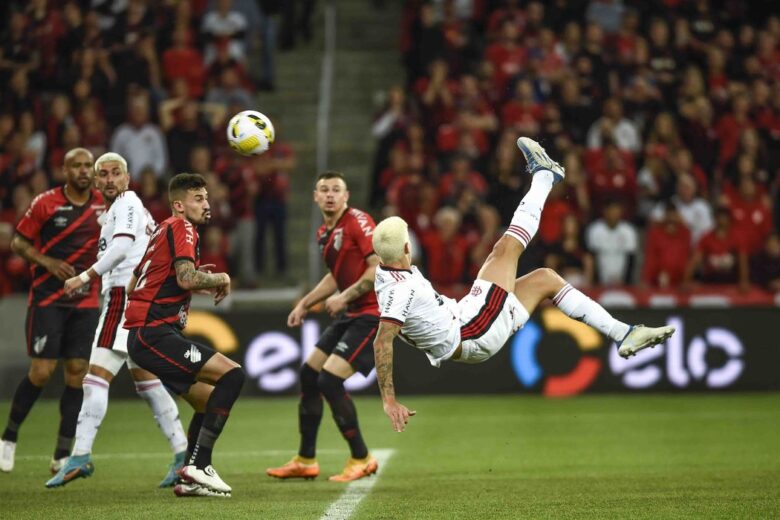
128,217
428,320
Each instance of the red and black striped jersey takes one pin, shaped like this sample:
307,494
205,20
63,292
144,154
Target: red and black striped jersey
157,297
60,229
345,249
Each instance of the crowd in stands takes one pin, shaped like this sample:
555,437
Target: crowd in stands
154,81
665,114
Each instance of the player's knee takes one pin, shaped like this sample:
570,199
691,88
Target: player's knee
309,378
331,386
40,374
74,373
547,281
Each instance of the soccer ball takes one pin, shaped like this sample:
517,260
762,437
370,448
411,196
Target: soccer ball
250,133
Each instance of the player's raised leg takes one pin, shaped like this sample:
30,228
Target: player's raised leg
500,267
227,377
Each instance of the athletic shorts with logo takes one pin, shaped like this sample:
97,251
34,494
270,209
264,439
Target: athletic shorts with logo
352,338
109,348
166,353
488,318
59,332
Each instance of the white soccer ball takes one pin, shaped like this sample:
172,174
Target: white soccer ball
250,133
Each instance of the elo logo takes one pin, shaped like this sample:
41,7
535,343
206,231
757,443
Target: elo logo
526,365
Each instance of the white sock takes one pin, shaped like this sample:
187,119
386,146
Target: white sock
93,410
576,305
525,221
166,413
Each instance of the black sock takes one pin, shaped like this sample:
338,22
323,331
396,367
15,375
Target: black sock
218,408
309,412
344,412
24,398
70,405
192,432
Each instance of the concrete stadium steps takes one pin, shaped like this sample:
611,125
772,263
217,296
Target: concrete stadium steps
366,61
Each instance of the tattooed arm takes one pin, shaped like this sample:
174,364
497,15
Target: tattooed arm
338,302
383,357
192,279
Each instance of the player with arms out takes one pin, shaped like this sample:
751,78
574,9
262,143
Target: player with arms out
473,329
345,347
123,240
58,236
159,295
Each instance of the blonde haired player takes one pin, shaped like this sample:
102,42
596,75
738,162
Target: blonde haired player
473,329
124,235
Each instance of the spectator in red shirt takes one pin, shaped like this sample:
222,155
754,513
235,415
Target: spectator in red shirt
667,250
461,177
446,251
751,215
731,125
569,257
214,250
522,113
184,61
507,56
437,95
720,256
611,175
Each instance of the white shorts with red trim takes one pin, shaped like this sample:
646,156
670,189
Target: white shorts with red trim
109,348
488,318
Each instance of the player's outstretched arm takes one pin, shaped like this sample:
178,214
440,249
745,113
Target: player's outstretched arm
338,302
383,359
112,257
322,290
24,248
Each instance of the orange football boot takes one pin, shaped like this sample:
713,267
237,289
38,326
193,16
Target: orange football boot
356,469
298,467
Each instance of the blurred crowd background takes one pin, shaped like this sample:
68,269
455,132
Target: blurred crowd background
156,82
666,115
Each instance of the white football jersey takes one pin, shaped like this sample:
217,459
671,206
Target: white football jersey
428,320
127,216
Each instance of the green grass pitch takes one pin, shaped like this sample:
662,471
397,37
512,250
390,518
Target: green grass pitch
660,456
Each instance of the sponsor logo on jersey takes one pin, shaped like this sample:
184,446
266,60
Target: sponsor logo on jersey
102,244
362,220
380,278
341,347
476,290
338,237
64,208
60,221
408,304
39,343
193,354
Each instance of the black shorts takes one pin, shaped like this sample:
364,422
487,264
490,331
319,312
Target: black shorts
352,339
56,332
166,353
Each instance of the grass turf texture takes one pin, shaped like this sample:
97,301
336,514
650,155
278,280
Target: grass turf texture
713,456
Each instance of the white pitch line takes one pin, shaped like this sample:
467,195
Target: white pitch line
161,454
356,491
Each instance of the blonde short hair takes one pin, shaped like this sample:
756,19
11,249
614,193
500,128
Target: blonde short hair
390,237
111,157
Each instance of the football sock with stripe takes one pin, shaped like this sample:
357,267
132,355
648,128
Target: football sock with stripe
309,412
525,221
344,412
196,423
93,410
24,398
577,306
165,411
220,402
70,406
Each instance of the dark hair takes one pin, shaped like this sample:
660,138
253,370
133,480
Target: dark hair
331,174
184,182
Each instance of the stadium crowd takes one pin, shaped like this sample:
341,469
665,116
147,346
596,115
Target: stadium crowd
155,82
665,114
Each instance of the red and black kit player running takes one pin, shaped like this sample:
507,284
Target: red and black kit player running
58,236
346,346
158,305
